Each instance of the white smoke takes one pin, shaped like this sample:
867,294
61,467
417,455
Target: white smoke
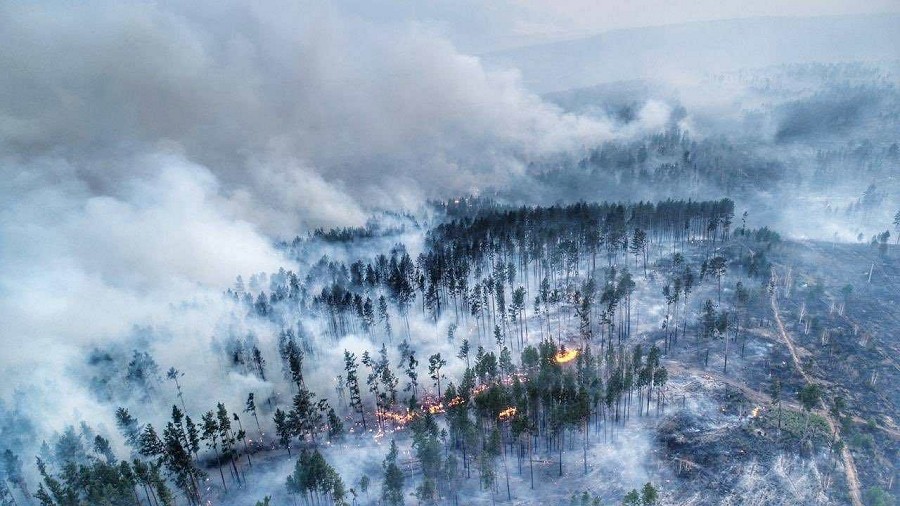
153,151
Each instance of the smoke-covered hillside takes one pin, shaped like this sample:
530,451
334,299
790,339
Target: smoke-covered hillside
320,253
682,52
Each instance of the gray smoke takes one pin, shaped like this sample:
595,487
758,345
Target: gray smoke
153,151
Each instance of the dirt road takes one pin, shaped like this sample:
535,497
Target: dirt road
849,464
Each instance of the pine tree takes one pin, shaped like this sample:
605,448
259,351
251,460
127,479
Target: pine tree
809,397
302,419
211,434
11,471
283,430
388,391
241,435
193,437
227,438
314,478
177,459
383,316
259,363
352,382
392,487
409,363
464,352
173,375
435,363
250,407
129,427
775,393
335,425
897,225
649,495
718,267
295,365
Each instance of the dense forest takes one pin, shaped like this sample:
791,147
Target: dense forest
546,354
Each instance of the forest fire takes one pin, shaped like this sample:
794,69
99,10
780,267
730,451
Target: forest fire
432,407
397,418
507,413
435,408
359,321
565,356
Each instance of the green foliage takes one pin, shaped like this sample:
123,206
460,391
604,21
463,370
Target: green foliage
97,483
648,496
435,363
392,487
85,472
129,427
364,484
427,445
585,499
862,441
335,425
794,422
876,496
426,493
761,235
632,498
84,484
809,396
313,477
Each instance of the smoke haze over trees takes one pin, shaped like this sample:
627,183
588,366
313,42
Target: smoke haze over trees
348,252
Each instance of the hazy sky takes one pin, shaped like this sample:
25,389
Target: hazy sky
479,26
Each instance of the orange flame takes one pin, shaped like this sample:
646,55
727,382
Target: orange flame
397,418
755,412
435,406
508,413
456,401
566,356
